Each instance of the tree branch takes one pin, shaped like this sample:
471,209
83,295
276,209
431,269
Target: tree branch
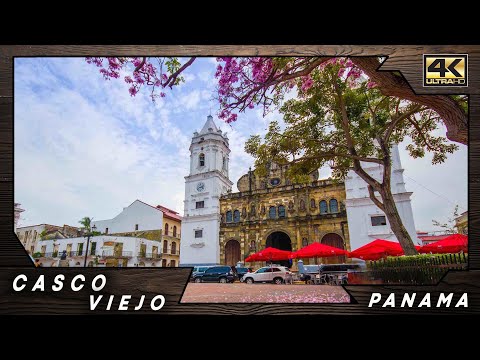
452,114
391,126
140,65
377,202
173,77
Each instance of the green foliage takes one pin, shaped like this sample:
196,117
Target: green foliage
36,255
415,269
318,131
54,254
86,223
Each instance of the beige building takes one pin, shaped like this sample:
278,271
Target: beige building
461,223
30,235
271,211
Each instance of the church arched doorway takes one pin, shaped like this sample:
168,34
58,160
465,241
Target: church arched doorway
232,252
334,240
280,240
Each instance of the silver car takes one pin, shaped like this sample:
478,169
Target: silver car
273,274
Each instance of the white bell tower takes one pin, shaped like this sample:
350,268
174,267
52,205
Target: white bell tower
207,181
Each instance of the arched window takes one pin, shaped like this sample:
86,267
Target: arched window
272,213
164,262
323,207
236,216
224,163
333,206
229,216
174,231
201,159
253,246
252,210
166,229
281,211
302,204
165,246
312,203
174,247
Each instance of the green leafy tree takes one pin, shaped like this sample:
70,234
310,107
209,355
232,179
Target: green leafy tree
450,226
345,122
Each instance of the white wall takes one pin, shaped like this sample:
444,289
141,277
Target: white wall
147,218
360,208
200,251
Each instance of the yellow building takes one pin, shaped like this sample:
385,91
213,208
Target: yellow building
172,224
271,211
461,223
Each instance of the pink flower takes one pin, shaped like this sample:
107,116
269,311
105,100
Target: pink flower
132,90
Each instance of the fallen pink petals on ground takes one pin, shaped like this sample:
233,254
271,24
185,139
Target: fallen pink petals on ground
263,293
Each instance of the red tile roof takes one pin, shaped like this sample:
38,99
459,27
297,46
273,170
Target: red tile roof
169,213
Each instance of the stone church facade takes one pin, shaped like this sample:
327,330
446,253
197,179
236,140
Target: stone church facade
271,211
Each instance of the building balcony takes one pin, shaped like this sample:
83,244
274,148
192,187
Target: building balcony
116,254
170,236
167,252
146,255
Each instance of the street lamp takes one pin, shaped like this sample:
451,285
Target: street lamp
90,233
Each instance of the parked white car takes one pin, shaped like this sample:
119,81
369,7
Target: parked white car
274,274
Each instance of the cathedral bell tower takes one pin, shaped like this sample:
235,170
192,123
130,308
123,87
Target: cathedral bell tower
207,181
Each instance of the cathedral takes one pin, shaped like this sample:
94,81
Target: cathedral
223,227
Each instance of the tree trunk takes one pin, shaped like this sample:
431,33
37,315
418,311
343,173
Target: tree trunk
396,224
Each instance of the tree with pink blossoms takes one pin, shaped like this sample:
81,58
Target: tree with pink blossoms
343,116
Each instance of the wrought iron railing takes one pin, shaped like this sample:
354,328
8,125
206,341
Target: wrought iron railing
117,254
146,255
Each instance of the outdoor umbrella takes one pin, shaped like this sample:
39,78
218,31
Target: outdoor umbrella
451,244
269,254
316,250
377,249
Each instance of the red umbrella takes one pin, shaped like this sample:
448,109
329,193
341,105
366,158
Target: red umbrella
377,249
269,254
451,244
317,249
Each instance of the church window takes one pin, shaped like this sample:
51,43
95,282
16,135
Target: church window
304,241
312,203
236,216
106,230
272,213
333,206
224,163
199,204
166,229
274,181
198,234
281,211
323,207
252,210
253,246
136,227
229,216
378,220
201,160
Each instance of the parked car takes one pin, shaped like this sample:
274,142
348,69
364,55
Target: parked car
274,274
241,271
198,270
222,274
307,272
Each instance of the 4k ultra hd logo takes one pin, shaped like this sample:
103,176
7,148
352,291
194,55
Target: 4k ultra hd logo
445,70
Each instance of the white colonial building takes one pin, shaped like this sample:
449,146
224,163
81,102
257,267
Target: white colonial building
119,251
208,179
366,222
138,216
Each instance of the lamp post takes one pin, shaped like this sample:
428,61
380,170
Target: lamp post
90,233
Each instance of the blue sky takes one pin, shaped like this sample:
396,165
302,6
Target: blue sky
85,147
